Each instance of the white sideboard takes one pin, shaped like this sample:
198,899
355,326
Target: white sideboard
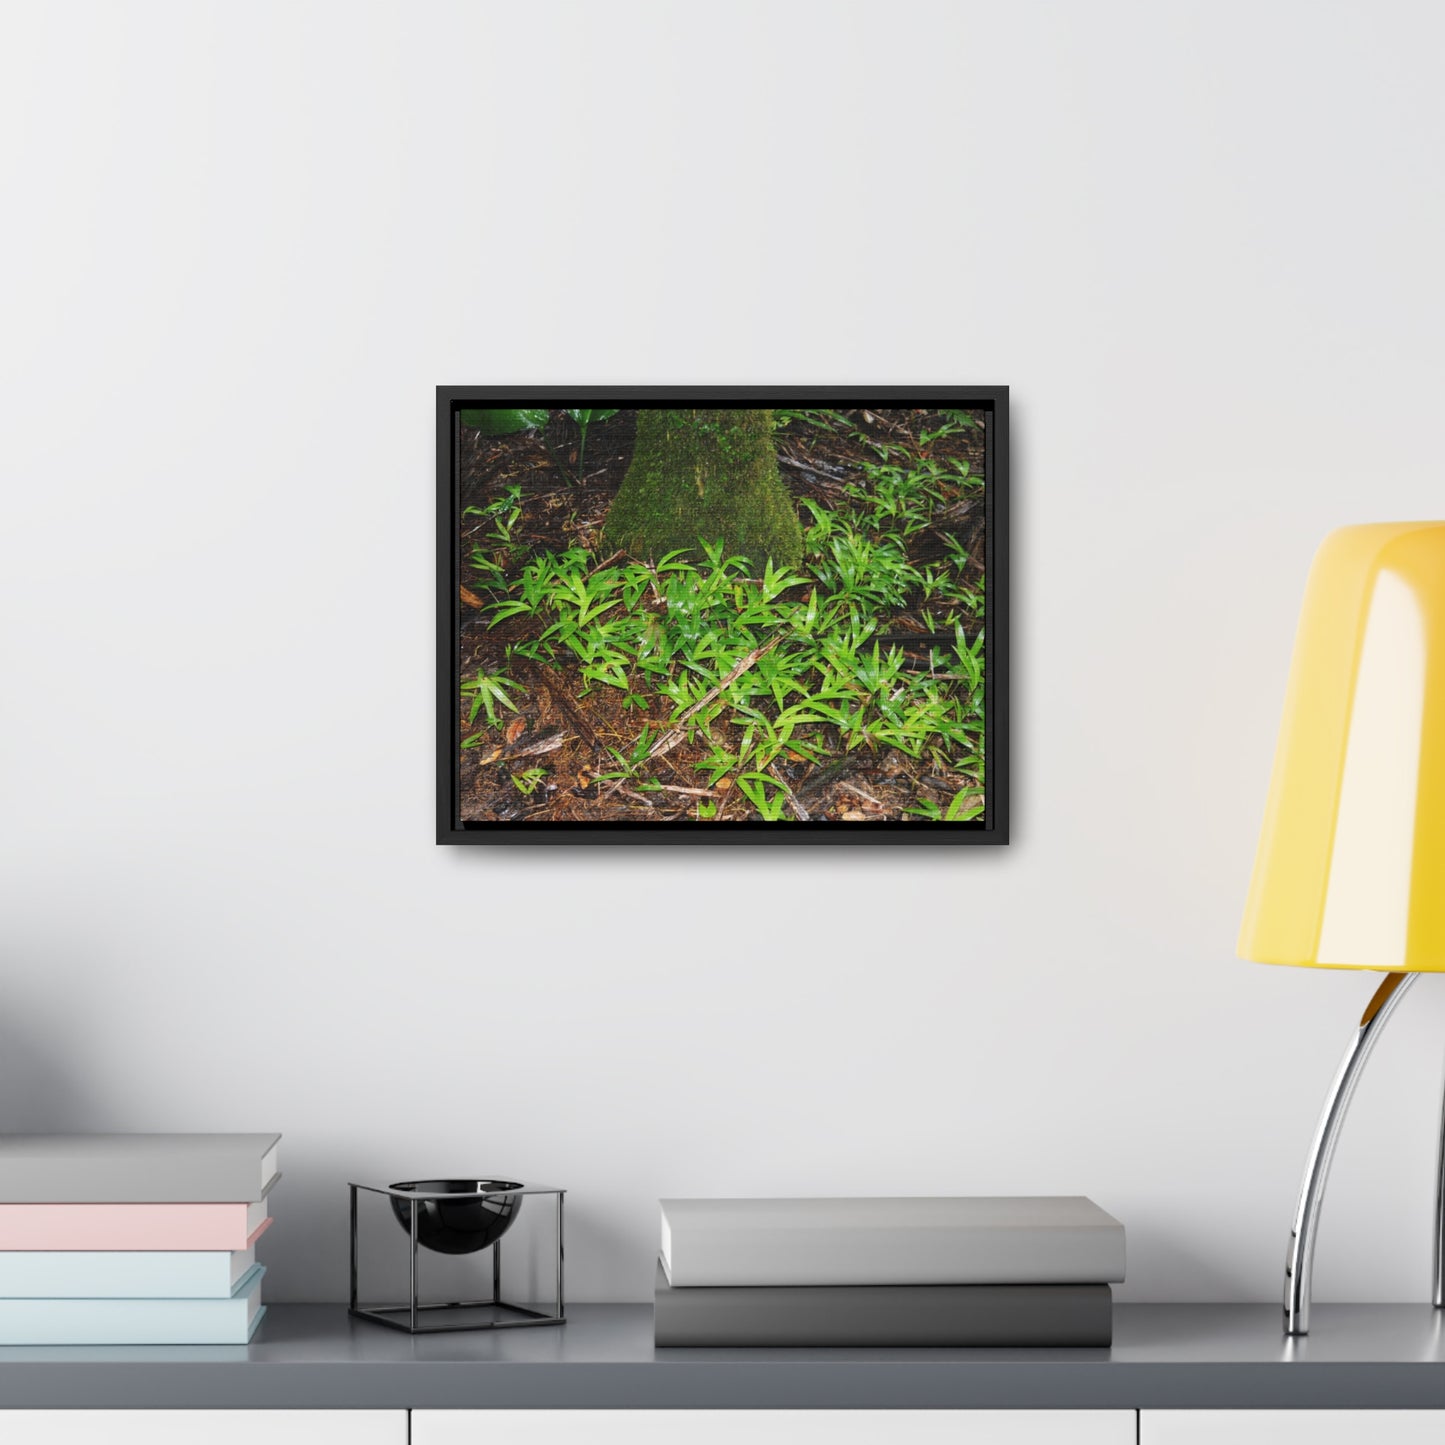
722,1427
1291,1427
203,1427
774,1427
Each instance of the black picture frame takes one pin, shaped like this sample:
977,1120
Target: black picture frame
991,829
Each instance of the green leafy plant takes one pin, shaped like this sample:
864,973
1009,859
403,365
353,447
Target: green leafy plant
528,781
500,422
926,808
812,416
584,417
489,691
771,806
964,807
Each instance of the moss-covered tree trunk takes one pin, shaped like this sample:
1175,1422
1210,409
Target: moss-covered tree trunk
706,476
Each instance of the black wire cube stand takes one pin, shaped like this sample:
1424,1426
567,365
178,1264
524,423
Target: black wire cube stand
416,1318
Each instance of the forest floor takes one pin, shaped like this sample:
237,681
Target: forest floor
667,696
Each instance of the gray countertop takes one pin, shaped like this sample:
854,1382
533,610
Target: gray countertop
1164,1356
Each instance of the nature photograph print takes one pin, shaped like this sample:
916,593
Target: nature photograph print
670,614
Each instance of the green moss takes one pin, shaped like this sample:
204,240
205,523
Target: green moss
705,476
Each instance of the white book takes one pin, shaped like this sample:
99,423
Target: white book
137,1168
1051,1239
122,1274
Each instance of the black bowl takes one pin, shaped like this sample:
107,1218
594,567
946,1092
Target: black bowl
463,1224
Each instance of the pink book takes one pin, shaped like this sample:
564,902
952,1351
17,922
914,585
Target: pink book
132,1226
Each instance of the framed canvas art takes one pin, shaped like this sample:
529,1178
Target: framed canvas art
722,614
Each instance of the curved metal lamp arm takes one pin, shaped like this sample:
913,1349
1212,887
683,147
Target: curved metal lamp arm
1299,1267
1439,1295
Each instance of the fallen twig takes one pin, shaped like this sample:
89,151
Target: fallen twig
799,811
960,508
832,476
678,731
620,552
867,797
524,749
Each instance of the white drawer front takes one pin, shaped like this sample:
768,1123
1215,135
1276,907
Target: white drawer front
202,1427
773,1427
1292,1427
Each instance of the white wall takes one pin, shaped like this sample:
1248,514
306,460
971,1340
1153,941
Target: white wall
1203,244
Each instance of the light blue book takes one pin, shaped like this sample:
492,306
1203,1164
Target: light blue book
122,1274
230,1321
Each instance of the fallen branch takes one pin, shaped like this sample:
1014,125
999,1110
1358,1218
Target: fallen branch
678,731
620,552
557,691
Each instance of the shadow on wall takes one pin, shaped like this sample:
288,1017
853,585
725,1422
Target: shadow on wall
38,1093
595,1245
1169,1257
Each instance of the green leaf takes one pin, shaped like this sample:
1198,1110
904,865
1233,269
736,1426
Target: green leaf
501,610
955,813
500,422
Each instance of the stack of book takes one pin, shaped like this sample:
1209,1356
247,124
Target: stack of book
132,1239
887,1272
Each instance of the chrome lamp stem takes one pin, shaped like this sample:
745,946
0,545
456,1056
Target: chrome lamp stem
1439,1292
1299,1265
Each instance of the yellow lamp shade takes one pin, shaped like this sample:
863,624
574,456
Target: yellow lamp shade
1350,871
